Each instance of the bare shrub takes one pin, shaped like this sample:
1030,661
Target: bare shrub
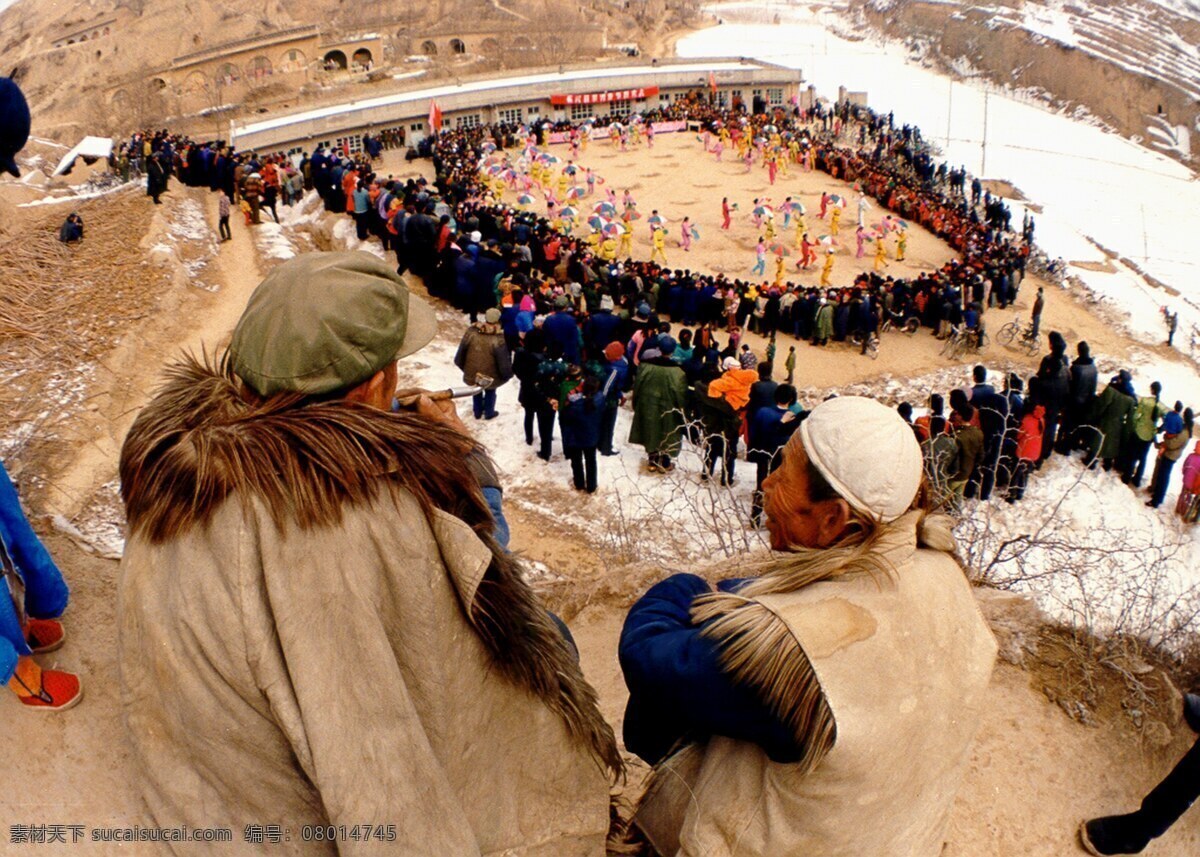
677,517
1108,577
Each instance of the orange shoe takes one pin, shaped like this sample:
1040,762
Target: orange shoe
44,635
59,691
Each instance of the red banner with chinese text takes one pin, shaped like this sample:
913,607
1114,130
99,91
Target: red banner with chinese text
604,97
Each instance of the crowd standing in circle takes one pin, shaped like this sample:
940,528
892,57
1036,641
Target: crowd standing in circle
560,301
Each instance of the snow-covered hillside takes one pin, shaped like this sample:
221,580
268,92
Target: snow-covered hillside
1134,63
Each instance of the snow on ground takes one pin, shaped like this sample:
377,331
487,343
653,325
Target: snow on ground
57,197
1125,567
272,241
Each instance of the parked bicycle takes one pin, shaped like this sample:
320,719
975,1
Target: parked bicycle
1022,333
869,347
898,321
962,341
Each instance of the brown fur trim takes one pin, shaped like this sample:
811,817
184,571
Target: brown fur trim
199,443
511,620
759,652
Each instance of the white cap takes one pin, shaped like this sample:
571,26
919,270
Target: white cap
730,363
476,236
866,453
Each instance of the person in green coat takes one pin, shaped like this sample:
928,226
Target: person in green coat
823,323
1146,416
1111,421
659,399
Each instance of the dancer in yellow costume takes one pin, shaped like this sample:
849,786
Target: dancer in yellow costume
880,255
835,221
660,242
827,270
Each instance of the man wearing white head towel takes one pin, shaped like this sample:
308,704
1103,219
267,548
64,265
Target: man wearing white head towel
824,703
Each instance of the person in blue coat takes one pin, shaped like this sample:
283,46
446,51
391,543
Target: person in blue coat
560,326
616,384
603,327
33,596
580,418
464,277
677,685
770,427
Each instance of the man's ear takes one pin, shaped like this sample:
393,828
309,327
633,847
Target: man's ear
370,391
832,517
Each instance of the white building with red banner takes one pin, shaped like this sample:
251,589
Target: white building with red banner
573,94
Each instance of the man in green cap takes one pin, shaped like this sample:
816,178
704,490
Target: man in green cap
317,628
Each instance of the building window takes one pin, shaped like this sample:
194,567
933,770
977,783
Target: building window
469,120
722,98
512,115
679,96
417,126
618,108
351,144
775,96
582,111
664,98
534,111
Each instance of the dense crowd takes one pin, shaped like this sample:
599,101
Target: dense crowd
582,333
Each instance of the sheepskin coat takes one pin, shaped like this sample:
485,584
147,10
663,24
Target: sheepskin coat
317,629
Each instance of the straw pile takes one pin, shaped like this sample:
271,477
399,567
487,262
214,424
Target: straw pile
62,307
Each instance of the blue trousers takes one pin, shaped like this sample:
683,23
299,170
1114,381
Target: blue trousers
484,404
45,590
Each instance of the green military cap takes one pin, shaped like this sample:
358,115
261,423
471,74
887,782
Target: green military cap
322,322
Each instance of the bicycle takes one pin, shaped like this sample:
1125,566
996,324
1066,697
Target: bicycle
870,348
897,321
961,341
1028,338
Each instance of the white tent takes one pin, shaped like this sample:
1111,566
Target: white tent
90,148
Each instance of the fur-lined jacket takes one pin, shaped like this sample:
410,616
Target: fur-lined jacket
314,630
790,717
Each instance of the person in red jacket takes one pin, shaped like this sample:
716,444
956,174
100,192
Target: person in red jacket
1029,447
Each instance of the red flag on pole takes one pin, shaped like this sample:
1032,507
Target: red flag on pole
712,81
435,116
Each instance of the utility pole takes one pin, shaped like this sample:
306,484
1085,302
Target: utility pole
1145,238
983,159
949,109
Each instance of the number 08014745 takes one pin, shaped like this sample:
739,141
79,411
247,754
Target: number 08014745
349,833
